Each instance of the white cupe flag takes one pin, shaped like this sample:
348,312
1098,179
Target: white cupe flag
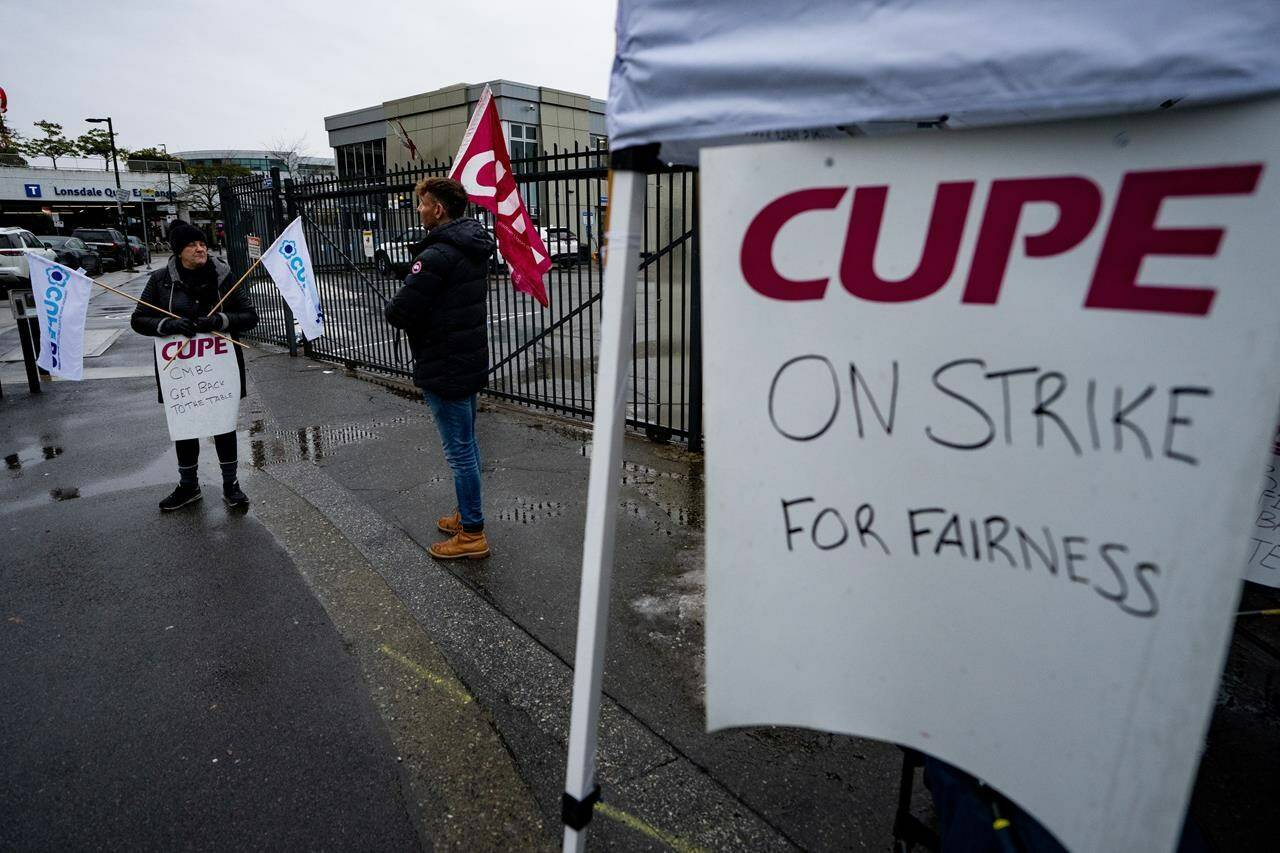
289,262
62,300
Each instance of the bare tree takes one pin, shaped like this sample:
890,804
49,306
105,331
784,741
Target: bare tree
289,152
202,188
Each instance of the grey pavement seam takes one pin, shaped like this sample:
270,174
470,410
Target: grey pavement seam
410,573
468,793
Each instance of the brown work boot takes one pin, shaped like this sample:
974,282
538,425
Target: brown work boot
473,546
450,524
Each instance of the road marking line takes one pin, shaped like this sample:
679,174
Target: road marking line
426,675
632,822
502,318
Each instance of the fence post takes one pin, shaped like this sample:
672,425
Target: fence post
695,328
230,207
278,224
291,211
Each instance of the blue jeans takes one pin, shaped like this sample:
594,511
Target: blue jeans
456,421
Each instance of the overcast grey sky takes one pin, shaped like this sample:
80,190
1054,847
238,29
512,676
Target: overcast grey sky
237,74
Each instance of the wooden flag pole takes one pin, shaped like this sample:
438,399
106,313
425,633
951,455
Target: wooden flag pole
161,310
215,308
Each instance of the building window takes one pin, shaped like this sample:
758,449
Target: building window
524,142
362,159
599,142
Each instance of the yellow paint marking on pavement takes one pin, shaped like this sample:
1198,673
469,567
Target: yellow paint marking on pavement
427,675
632,822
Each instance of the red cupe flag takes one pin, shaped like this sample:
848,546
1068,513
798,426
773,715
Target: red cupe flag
483,166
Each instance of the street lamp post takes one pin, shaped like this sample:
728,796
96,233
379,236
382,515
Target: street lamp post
168,174
124,225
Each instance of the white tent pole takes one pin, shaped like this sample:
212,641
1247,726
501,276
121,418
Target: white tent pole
626,205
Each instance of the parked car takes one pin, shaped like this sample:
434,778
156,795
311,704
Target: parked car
109,244
562,245
141,254
17,245
73,252
393,257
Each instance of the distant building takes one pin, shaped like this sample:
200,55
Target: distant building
534,119
259,162
56,201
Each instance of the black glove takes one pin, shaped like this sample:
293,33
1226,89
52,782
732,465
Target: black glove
178,326
206,324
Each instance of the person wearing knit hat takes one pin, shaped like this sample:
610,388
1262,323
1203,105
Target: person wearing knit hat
183,234
190,286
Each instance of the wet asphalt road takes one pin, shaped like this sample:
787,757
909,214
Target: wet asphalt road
169,682
188,693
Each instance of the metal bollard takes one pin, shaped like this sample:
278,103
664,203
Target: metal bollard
23,305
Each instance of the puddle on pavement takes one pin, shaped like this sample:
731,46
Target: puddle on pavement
530,511
309,444
159,471
684,508
29,456
678,495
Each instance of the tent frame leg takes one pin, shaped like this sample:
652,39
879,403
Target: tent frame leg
626,200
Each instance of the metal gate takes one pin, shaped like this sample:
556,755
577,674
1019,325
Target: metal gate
541,357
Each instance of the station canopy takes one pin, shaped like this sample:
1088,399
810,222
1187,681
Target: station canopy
688,74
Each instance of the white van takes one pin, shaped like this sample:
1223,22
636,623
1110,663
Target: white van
15,246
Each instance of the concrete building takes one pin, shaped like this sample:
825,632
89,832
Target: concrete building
534,119
257,161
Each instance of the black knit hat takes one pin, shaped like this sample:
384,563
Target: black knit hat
183,234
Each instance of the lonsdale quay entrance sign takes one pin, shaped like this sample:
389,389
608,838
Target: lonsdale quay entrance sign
987,414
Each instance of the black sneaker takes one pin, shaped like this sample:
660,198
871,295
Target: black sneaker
180,497
233,497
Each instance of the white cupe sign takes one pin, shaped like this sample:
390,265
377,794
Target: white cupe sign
987,416
200,389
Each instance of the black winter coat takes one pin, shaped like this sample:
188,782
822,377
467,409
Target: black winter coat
166,289
442,308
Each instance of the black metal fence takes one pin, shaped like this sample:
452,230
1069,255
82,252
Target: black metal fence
362,232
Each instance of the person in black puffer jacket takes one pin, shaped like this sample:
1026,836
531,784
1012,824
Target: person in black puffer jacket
189,286
442,308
